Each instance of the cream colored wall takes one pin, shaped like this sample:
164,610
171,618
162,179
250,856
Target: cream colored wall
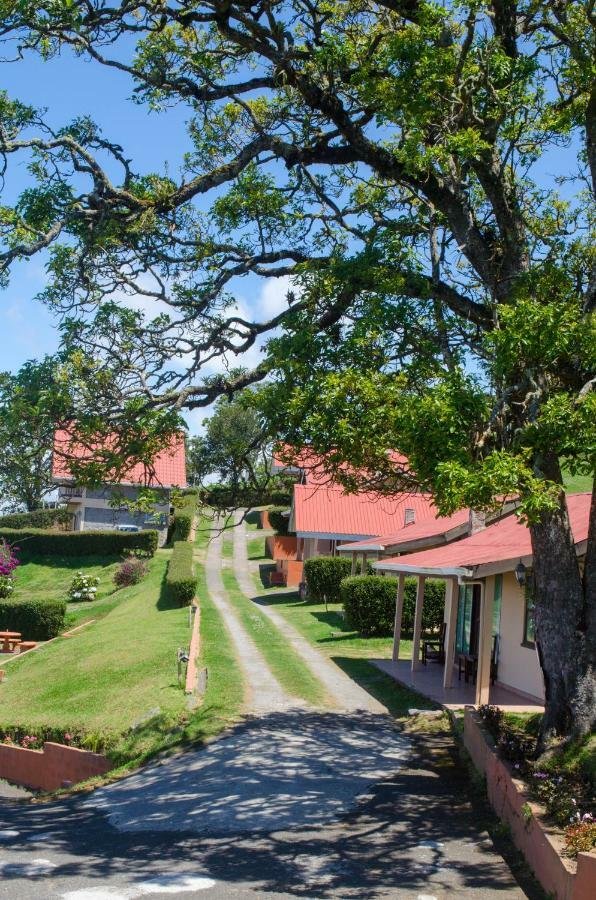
518,665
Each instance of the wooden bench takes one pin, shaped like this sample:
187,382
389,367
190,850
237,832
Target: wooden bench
27,645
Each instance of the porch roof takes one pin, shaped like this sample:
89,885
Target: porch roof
435,529
497,548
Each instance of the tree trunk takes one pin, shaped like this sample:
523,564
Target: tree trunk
565,619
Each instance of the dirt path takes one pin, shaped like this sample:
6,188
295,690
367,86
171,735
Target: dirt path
347,695
264,693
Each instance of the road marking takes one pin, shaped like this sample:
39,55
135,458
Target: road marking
8,834
27,870
160,884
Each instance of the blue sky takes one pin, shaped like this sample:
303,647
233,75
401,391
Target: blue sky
69,87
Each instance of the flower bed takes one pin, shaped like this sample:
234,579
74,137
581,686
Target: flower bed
542,844
567,797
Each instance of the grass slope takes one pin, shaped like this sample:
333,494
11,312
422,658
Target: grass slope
286,664
50,577
111,673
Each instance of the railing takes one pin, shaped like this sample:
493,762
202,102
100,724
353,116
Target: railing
70,492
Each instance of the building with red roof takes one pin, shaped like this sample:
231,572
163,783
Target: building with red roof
488,624
94,509
325,516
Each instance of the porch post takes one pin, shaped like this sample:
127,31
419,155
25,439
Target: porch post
451,598
418,623
363,569
484,641
354,562
399,609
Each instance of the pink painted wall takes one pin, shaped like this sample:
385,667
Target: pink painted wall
50,768
540,844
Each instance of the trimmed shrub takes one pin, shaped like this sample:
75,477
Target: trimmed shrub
369,604
37,620
181,582
37,518
130,571
278,520
36,542
184,515
323,575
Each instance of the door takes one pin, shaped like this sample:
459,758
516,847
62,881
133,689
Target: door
468,620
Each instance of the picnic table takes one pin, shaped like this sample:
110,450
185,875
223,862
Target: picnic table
9,641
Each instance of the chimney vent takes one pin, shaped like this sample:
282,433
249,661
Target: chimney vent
477,520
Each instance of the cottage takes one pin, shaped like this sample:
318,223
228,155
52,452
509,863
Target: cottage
489,627
94,509
325,517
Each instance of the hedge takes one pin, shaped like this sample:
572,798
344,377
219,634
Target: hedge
37,518
369,604
37,620
323,575
279,521
221,496
183,517
181,582
36,542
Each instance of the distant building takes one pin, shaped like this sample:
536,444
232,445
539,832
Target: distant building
91,507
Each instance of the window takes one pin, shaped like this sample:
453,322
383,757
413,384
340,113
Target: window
409,516
529,639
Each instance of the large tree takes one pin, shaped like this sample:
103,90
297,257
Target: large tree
393,158
28,419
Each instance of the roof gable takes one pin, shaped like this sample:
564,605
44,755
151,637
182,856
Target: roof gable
168,469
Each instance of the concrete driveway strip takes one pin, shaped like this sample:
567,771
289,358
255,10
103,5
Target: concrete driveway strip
265,694
347,694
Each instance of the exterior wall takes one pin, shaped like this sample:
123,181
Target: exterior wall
50,768
518,665
292,570
92,511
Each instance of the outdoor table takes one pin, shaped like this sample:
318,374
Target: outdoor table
8,640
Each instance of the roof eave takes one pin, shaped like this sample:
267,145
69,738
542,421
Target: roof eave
432,571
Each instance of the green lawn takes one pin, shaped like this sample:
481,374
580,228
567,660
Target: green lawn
256,547
577,484
50,577
285,663
118,671
115,682
327,631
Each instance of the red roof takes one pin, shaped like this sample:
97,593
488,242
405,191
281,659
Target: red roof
331,511
168,469
435,527
505,542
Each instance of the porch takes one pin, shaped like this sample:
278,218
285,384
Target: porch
434,670
429,680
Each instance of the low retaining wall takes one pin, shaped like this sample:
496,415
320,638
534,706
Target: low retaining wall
50,768
539,843
193,653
